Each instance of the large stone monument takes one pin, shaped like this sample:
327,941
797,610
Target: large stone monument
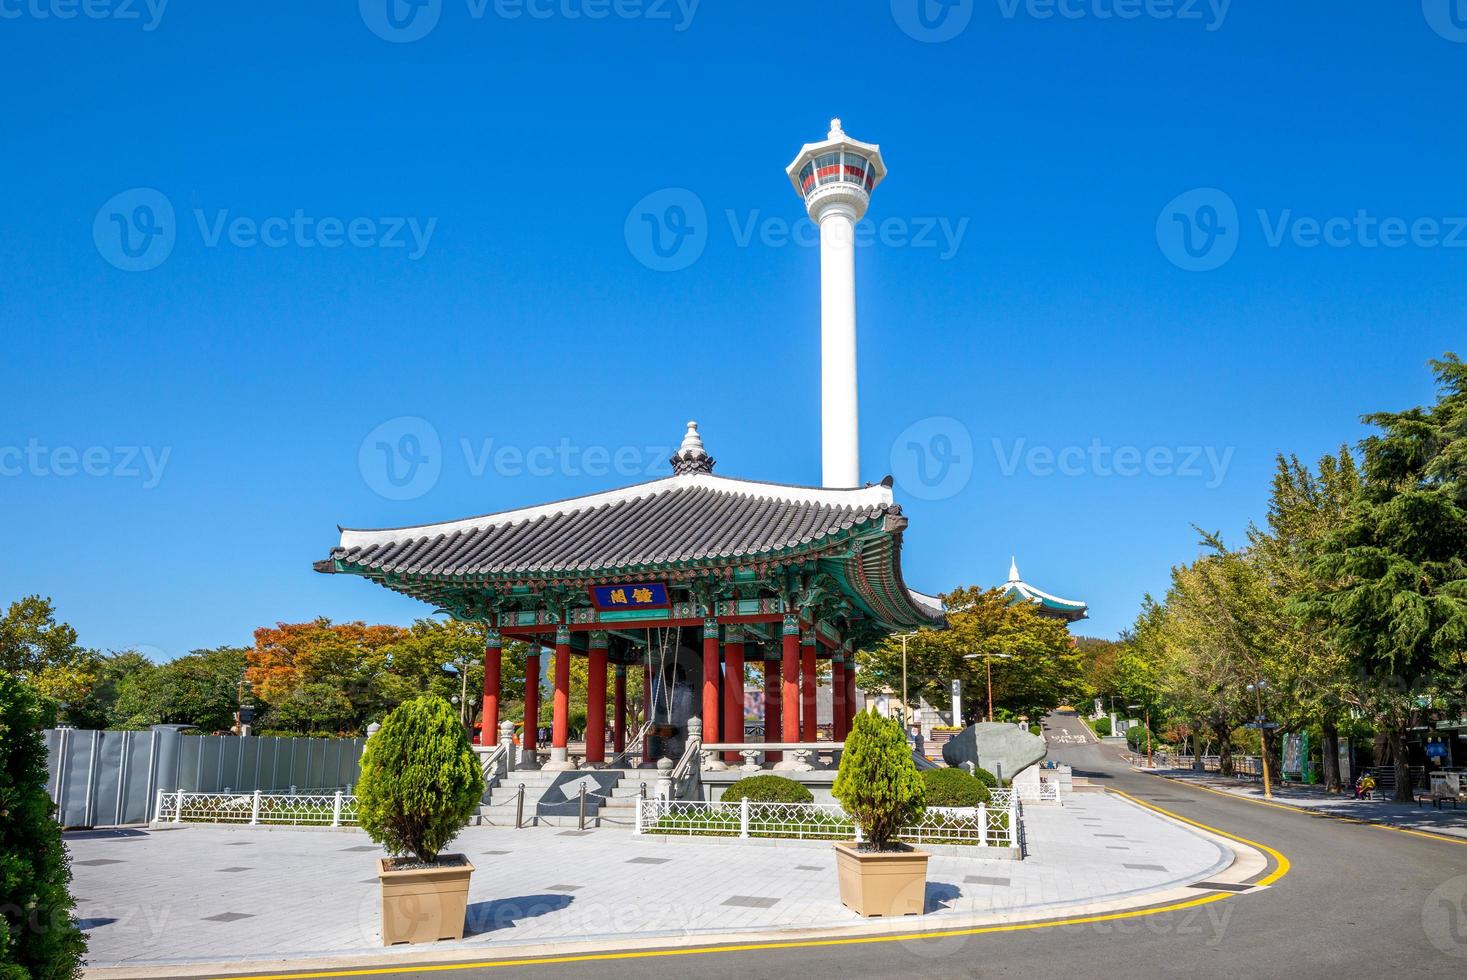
996,746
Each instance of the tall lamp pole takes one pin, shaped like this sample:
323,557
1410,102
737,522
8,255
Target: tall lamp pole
906,708
1257,688
988,663
1147,723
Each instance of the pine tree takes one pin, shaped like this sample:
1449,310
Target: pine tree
420,781
38,938
1398,605
878,783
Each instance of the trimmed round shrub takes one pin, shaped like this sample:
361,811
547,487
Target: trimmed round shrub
39,939
1101,726
953,787
1136,738
420,781
768,789
1034,729
878,783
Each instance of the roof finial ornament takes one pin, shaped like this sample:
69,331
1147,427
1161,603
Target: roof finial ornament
1013,569
835,131
691,457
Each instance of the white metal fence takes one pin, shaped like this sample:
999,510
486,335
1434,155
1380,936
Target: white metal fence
256,808
1047,792
993,825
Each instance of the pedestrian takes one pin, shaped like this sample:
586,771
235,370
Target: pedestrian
1364,786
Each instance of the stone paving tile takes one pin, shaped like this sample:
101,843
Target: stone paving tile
750,902
152,906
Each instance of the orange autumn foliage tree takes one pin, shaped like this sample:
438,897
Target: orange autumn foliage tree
322,675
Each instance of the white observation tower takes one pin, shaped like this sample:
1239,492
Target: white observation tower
836,177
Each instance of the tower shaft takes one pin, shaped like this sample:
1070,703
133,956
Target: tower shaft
840,451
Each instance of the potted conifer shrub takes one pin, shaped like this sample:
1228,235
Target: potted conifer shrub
420,783
879,786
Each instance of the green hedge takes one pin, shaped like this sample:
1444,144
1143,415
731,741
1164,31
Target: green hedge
768,789
39,939
987,778
1101,726
953,787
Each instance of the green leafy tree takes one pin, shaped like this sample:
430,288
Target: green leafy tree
1036,666
420,780
1397,598
200,688
878,783
38,938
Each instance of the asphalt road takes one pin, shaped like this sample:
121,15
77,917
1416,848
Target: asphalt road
1357,901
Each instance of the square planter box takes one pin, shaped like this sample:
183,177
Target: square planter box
424,905
882,883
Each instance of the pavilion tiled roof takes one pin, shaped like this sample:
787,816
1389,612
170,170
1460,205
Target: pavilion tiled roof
694,518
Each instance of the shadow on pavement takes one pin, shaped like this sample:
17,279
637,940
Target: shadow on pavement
504,913
939,894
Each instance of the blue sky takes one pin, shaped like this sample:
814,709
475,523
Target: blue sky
449,238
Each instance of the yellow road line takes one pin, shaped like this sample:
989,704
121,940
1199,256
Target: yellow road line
1311,812
1281,869
1281,863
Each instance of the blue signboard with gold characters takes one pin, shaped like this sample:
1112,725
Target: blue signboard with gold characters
632,595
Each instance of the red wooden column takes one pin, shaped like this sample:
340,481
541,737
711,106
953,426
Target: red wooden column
733,690
532,707
808,731
619,713
596,702
493,659
772,725
838,695
789,694
560,723
710,680
646,711
851,706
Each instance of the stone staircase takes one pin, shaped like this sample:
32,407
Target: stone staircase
614,808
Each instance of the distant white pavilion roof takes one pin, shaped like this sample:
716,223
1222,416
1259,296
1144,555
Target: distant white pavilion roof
1018,590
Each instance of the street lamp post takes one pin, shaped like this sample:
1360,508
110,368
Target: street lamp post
988,663
1256,689
1147,722
906,707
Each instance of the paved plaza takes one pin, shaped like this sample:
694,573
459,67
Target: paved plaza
204,894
